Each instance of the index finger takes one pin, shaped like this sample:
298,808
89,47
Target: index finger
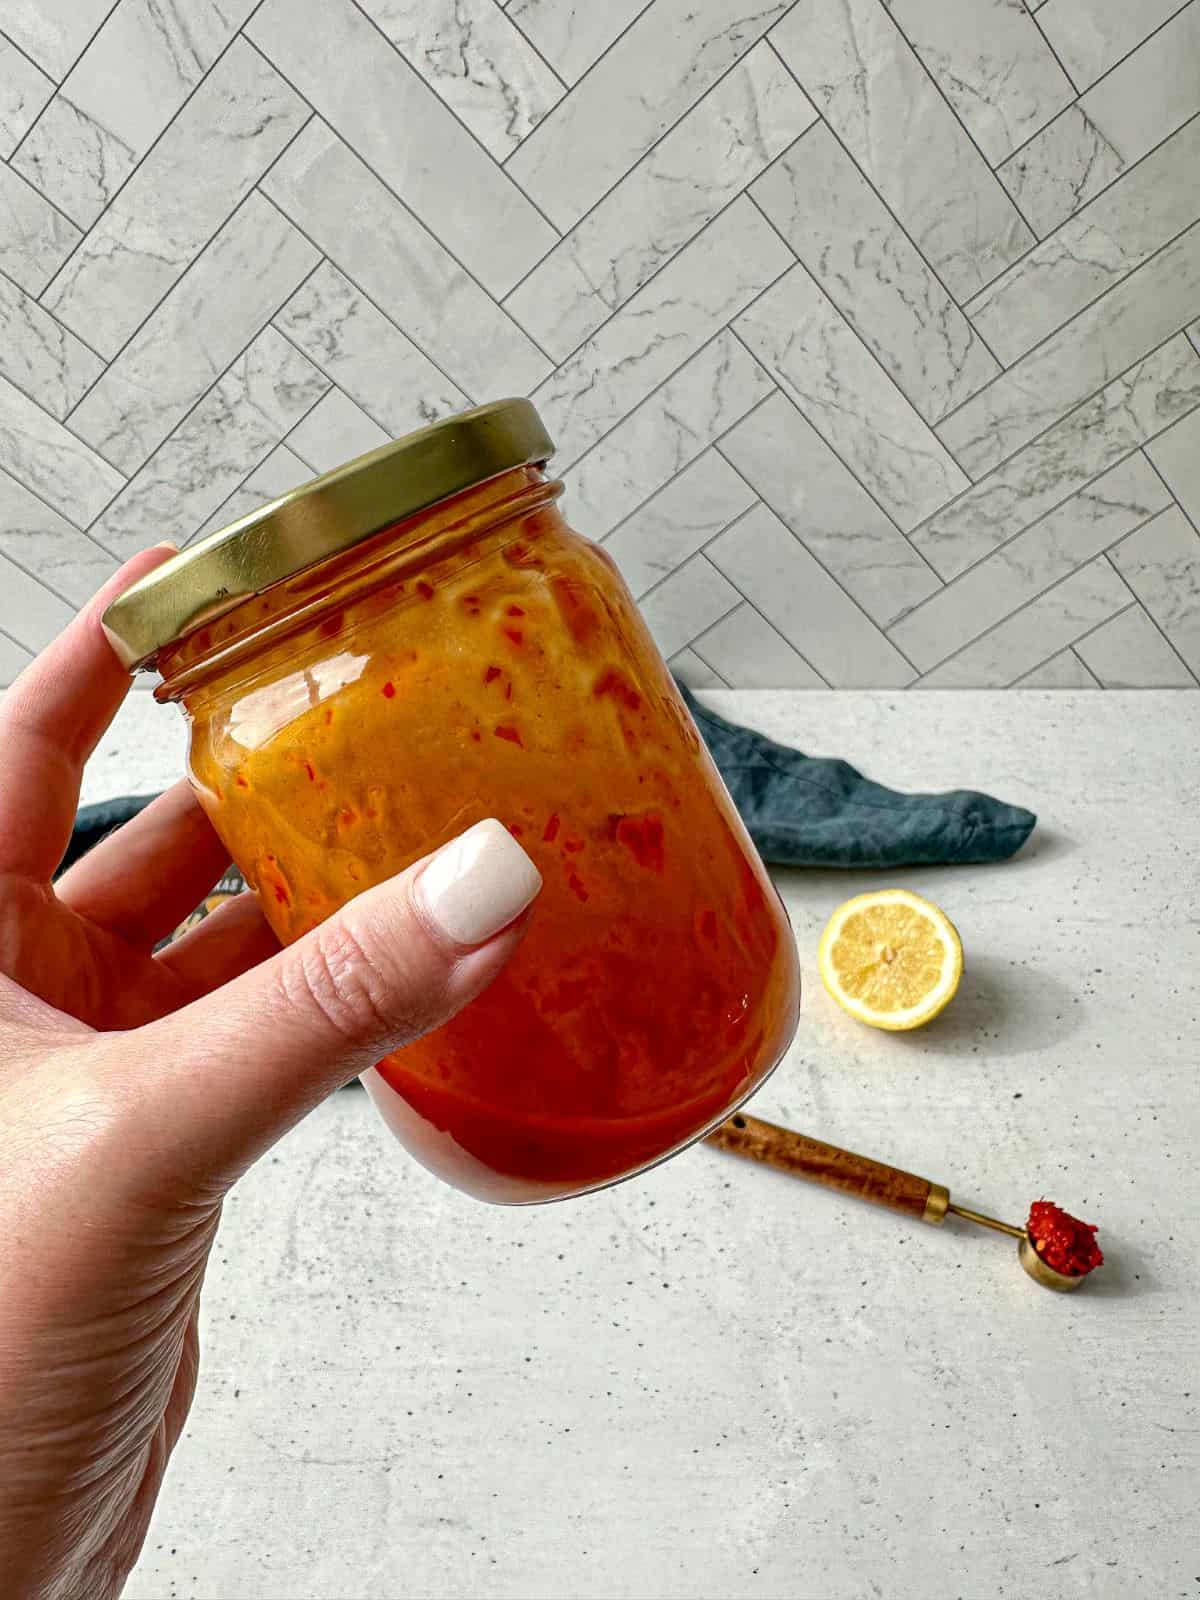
51,720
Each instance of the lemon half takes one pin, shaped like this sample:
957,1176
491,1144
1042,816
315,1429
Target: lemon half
891,959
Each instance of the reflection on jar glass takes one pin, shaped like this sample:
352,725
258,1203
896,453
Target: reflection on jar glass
478,658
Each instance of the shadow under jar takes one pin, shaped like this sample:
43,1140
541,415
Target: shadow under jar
418,641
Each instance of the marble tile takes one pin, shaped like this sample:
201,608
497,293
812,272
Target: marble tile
704,287
40,356
224,139
829,511
24,90
748,653
13,658
1130,653
121,93
238,282
874,274
1176,454
1091,36
1133,408
334,432
1069,537
992,64
572,34
685,664
366,354
774,571
817,359
53,32
1032,636
275,475
1107,338
1161,564
686,603
879,100
47,545
261,396
35,239
378,244
1063,671
29,613
673,53
50,460
399,127
476,61
1153,91
710,155
709,393
681,518
1093,250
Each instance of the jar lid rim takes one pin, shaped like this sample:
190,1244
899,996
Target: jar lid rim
321,518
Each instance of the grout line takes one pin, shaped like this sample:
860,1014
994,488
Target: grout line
785,388
333,382
767,623
821,122
191,410
992,172
470,132
526,40
45,582
832,576
59,82
1071,650
1145,610
1107,73
61,515
170,290
1175,500
724,681
86,233
57,320
1061,67
570,233
418,221
1192,337
611,45
358,289
1050,426
12,639
1086,634
49,76
1074,216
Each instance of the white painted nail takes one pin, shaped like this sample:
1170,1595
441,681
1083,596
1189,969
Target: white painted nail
478,883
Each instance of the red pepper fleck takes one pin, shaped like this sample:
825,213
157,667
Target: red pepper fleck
332,626
311,770
576,887
515,611
573,846
520,555
425,590
550,832
515,829
706,925
203,639
282,895
389,690
348,817
1062,1241
242,783
476,735
505,730
643,838
470,604
576,609
615,683
514,634
508,690
328,715
491,675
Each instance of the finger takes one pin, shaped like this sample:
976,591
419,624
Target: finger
235,938
51,720
146,877
223,1078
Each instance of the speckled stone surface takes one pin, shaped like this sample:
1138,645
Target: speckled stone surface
715,1381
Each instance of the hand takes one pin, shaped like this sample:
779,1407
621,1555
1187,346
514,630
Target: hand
135,1088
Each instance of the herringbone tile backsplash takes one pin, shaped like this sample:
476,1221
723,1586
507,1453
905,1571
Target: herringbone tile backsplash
867,330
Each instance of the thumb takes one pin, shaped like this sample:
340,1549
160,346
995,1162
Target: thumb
220,1080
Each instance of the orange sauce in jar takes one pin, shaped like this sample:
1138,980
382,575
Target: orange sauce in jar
481,659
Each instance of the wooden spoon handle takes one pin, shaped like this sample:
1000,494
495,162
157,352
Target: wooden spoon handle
833,1168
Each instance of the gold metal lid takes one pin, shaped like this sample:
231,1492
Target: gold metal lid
321,518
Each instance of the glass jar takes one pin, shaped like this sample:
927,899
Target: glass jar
419,641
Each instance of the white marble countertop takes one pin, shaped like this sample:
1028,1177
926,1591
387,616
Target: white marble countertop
716,1381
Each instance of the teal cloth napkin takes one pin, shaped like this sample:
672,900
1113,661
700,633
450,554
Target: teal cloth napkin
809,811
